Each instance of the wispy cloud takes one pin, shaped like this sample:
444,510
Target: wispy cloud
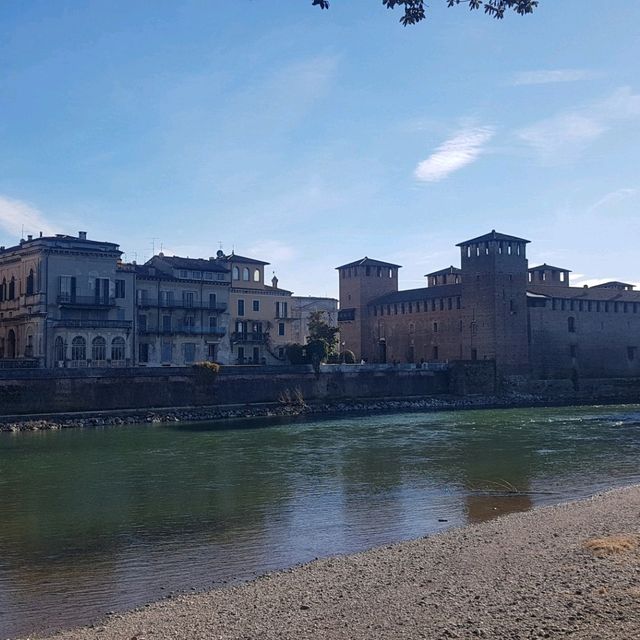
457,152
16,215
611,199
549,76
566,135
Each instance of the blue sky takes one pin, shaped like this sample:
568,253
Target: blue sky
311,138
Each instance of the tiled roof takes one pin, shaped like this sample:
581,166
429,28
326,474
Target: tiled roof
445,272
425,293
585,293
369,262
192,264
234,257
614,284
547,267
494,235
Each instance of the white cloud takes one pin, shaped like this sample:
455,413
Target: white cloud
612,198
454,154
564,136
16,215
550,76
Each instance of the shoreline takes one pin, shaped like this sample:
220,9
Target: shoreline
222,413
523,575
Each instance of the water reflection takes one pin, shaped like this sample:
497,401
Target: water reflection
99,520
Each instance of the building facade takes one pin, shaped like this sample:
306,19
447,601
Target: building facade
65,301
529,320
182,311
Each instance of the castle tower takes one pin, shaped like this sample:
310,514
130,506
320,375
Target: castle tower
494,295
360,283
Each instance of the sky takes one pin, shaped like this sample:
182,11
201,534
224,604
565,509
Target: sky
311,138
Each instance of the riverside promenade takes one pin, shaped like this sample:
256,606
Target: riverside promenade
571,570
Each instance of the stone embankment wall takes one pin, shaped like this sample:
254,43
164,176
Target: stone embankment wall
42,391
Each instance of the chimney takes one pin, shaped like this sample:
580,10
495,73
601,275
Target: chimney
29,237
274,282
82,235
41,234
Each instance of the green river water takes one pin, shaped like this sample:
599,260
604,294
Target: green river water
98,520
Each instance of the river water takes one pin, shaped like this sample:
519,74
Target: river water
99,520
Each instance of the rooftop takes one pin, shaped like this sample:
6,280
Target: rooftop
494,235
193,264
445,272
370,262
548,267
424,293
234,257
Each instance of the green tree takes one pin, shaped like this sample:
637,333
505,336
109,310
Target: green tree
414,10
320,329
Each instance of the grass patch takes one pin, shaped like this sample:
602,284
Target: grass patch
611,545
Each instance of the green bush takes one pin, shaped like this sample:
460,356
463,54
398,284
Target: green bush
297,353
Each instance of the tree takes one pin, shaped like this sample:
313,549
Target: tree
320,329
414,10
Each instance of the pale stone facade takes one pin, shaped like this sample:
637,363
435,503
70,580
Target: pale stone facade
65,302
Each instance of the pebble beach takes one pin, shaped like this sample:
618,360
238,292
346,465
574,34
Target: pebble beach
565,571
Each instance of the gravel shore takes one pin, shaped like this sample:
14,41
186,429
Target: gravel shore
526,575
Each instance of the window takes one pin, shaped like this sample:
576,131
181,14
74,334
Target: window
67,288
474,354
117,349
435,327
441,304
59,349
280,328
208,275
184,273
196,275
240,307
213,301
98,349
101,291
245,274
143,296
236,273
166,322
631,353
78,349
166,351
30,283
12,288
142,322
120,288
256,275
282,309
256,305
189,352
143,352
188,298
212,352
189,322
435,353
571,324
213,323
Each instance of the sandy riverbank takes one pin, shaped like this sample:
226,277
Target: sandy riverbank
526,575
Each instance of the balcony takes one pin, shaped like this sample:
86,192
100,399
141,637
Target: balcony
92,324
69,300
188,331
252,337
182,304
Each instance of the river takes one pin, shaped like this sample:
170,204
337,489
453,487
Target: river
99,520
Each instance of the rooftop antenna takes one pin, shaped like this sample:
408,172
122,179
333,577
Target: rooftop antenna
153,245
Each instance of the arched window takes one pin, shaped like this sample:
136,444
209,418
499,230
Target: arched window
59,349
256,275
245,274
78,349
3,290
30,289
117,349
12,289
236,273
98,348
571,324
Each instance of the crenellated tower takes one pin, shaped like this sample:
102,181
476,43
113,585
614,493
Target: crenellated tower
494,295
